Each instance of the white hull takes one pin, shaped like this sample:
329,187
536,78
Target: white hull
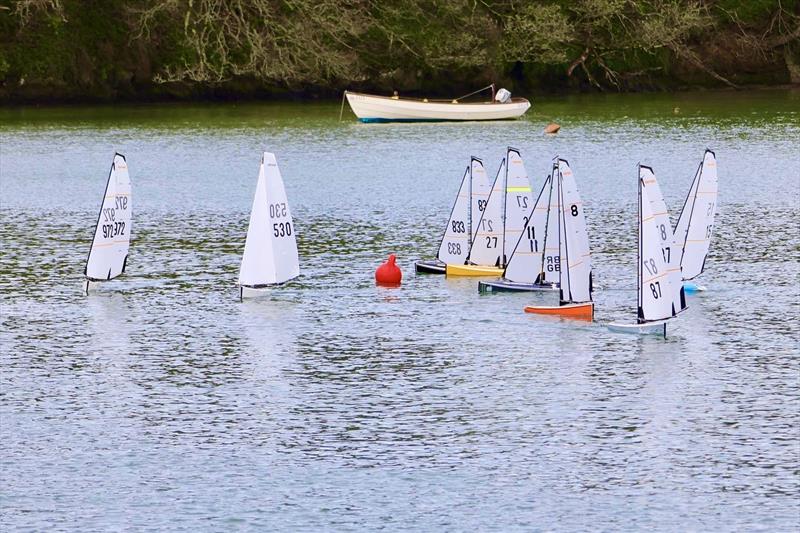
256,292
370,108
648,328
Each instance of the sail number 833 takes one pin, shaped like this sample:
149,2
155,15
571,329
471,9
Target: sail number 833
278,211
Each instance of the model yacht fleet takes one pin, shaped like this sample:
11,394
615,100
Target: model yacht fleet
526,236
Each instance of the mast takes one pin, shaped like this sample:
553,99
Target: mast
562,228
505,203
640,312
552,177
693,189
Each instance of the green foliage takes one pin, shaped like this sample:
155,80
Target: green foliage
106,49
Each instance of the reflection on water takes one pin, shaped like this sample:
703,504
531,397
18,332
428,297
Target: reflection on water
162,401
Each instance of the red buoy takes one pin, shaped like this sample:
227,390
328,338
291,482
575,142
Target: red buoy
389,273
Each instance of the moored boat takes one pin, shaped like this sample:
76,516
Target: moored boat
374,108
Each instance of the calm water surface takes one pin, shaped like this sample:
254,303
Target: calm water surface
162,402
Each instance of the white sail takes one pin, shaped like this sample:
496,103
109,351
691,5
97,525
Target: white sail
669,250
480,190
454,248
655,289
525,264
518,203
270,252
551,265
574,249
112,235
487,246
696,222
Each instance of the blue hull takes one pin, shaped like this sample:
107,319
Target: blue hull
692,288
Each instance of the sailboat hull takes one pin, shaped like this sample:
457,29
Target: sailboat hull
504,285
473,270
691,288
430,267
256,292
578,311
658,327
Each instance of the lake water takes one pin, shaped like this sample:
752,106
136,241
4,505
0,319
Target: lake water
162,402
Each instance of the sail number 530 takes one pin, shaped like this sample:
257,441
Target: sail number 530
277,210
282,229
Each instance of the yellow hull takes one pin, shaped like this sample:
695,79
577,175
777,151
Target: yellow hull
473,270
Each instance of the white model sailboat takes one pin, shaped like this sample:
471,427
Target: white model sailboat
575,272
108,255
460,229
655,288
529,267
696,221
270,252
502,222
669,250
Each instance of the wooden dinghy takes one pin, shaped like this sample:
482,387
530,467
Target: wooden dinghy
569,228
374,108
270,251
459,232
108,255
659,291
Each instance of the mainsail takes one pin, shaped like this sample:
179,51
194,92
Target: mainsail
551,260
487,246
525,264
518,202
655,288
669,250
270,252
696,221
457,237
576,267
108,255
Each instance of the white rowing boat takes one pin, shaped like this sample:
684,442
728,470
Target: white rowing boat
373,108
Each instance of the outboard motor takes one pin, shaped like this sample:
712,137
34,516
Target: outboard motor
502,96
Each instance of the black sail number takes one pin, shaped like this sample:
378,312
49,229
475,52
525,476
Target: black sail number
282,229
277,210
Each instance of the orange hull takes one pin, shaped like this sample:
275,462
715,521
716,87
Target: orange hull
582,311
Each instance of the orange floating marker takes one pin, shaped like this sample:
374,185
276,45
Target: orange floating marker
578,311
552,128
389,274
